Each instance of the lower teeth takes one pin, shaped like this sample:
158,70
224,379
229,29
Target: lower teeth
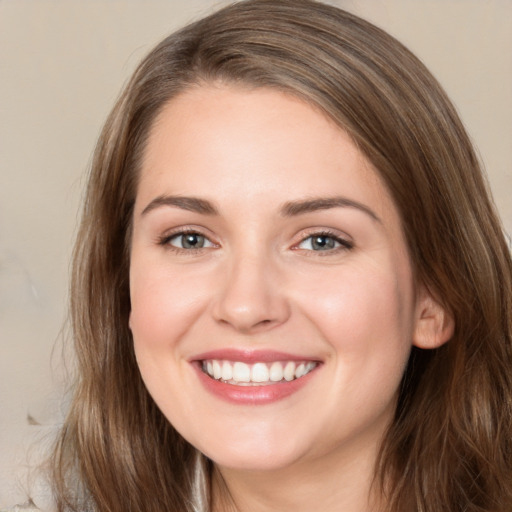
236,383
300,373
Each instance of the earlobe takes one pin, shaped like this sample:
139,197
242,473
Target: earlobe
434,324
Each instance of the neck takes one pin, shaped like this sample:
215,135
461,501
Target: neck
334,482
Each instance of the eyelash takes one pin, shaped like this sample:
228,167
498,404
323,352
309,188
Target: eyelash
344,245
183,232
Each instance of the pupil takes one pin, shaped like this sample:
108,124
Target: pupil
323,242
192,241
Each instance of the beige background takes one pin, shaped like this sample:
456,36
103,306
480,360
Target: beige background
62,64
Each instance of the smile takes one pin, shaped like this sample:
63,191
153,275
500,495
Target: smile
254,377
238,373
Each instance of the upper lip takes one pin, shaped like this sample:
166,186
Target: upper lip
250,356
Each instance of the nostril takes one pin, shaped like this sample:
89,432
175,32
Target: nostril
249,300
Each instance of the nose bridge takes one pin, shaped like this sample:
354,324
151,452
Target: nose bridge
251,296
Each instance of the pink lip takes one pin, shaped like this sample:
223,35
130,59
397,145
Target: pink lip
250,356
250,395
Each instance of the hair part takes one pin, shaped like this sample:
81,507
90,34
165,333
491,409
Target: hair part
450,445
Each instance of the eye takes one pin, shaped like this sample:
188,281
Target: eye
189,240
324,242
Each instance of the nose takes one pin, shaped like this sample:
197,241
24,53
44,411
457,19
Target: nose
251,298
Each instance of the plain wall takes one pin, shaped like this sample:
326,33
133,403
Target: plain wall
62,64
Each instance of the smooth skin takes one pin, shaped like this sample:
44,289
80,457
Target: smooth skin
259,270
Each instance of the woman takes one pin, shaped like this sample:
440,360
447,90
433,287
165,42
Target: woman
290,286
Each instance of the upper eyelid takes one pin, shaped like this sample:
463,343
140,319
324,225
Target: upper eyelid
334,233
303,235
342,243
183,230
168,240
169,234
341,246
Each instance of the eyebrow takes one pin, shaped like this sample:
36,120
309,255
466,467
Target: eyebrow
192,204
289,209
293,208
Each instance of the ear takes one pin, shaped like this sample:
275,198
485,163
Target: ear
434,324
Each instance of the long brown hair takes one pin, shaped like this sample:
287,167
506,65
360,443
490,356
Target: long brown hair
450,445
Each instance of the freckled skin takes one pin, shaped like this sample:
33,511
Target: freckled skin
259,284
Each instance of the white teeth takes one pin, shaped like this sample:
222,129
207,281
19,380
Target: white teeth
300,371
241,372
289,371
217,370
257,373
227,371
276,372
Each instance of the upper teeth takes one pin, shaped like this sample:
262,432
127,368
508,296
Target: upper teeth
260,373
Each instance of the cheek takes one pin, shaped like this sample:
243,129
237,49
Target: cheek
362,300
164,307
366,315
164,304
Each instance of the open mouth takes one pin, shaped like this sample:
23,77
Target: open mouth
257,374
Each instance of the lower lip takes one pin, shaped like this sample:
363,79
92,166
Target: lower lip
253,395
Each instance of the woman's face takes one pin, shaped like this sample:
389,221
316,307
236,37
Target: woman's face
273,303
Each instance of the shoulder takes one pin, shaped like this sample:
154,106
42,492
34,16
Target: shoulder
19,508
27,507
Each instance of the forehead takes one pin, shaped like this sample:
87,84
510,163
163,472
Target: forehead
235,142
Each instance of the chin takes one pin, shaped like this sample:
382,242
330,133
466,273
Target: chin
254,462
255,453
